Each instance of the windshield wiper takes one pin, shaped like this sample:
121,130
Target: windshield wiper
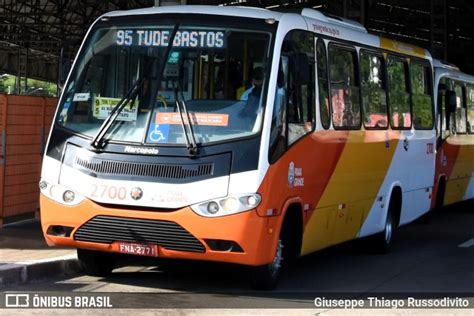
104,128
130,96
193,149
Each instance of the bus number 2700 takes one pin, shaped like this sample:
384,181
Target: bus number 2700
108,191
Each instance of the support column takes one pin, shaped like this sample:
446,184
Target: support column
439,29
21,84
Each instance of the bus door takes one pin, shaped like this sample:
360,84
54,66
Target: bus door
447,152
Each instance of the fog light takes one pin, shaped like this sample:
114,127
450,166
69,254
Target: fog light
43,185
252,200
68,196
213,207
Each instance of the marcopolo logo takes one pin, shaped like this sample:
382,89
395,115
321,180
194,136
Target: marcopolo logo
136,193
141,150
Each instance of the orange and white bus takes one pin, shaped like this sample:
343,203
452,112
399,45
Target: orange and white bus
160,147
454,177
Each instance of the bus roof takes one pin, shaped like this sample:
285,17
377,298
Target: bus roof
447,70
317,22
251,12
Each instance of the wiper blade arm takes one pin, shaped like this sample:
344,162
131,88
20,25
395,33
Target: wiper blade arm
104,128
193,149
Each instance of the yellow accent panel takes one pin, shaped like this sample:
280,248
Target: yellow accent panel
354,184
460,177
318,235
402,48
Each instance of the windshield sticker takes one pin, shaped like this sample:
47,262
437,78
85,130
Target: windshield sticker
63,114
103,106
205,119
158,133
160,38
79,97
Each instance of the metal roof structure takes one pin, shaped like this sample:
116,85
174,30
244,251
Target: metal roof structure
34,34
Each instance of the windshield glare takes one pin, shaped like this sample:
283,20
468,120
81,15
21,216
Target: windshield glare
209,68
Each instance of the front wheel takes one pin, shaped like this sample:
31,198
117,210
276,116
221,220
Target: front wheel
266,277
96,263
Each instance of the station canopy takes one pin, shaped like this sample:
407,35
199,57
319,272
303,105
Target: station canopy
36,33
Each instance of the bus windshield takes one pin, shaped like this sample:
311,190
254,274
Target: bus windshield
207,67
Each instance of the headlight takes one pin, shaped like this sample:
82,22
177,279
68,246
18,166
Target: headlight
227,206
60,193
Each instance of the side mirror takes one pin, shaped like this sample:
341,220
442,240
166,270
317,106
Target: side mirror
300,68
450,100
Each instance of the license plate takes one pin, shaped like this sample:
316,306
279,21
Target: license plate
138,249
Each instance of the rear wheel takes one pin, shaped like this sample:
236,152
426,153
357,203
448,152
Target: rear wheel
96,263
382,242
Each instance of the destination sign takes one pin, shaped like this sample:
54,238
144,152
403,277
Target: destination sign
161,38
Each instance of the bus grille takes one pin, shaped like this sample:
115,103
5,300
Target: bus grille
108,229
168,171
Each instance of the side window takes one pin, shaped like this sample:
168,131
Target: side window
344,87
299,88
398,96
293,113
323,84
421,96
470,108
278,129
460,109
374,95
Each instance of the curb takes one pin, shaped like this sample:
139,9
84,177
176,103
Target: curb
23,272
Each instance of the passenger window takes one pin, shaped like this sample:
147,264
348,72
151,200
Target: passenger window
421,96
460,109
398,96
344,88
323,84
470,108
374,95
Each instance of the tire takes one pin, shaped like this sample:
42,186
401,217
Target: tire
288,249
266,277
440,195
382,242
96,263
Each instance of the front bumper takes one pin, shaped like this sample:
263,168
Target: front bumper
256,236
